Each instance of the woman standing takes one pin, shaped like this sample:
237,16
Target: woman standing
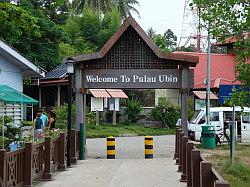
52,120
39,126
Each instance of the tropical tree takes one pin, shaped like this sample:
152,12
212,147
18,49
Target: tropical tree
151,33
170,39
125,7
226,19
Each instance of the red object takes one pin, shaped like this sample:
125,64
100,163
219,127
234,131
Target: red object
223,70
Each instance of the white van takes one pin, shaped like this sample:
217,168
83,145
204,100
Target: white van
220,118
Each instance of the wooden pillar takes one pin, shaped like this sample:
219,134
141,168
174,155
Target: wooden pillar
114,117
190,147
40,96
78,97
184,159
58,95
177,146
176,142
47,174
28,164
61,165
184,96
3,174
195,167
73,147
206,179
180,152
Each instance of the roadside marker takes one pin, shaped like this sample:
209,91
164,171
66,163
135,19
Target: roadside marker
110,148
149,152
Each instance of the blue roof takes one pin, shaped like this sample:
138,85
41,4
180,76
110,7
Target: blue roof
57,73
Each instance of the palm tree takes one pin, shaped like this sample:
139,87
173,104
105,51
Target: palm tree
151,32
98,5
125,7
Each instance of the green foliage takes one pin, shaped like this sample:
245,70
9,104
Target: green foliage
11,132
124,129
91,117
16,22
133,110
231,19
27,123
166,113
166,42
62,116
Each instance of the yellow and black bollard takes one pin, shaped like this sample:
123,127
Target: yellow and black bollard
149,147
110,148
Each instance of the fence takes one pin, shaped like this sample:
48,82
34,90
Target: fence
195,170
36,161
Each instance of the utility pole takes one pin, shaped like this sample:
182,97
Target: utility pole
208,78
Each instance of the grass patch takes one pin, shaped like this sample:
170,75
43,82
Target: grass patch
237,175
124,129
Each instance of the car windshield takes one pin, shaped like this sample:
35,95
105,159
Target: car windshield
246,117
195,116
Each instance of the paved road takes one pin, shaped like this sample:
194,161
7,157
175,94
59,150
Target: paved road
130,169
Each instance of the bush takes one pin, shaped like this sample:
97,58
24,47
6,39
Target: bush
62,116
166,113
27,123
132,110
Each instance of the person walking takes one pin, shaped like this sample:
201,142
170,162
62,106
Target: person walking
44,117
52,120
39,126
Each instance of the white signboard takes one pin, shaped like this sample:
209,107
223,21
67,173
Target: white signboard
114,104
96,104
117,104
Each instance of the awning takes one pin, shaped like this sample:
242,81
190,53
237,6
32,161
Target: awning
99,93
202,95
117,93
9,95
108,93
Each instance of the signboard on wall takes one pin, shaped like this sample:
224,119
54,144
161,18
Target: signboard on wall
96,104
136,78
225,91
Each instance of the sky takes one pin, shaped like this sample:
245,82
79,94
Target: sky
161,15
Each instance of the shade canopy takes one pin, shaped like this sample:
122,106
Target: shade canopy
108,93
9,95
202,95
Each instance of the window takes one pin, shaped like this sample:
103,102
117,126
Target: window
214,116
246,117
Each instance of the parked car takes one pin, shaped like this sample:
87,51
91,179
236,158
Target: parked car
221,118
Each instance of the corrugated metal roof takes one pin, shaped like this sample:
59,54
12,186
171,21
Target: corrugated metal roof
223,70
108,93
99,93
202,95
58,72
117,93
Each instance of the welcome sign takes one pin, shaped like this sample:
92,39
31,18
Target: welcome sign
139,78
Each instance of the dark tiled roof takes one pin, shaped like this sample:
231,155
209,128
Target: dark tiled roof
58,72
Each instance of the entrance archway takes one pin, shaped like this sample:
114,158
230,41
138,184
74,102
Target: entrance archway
130,59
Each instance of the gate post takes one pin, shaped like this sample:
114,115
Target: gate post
47,174
3,174
184,94
73,147
190,147
62,142
180,152
205,174
184,159
195,167
28,161
176,143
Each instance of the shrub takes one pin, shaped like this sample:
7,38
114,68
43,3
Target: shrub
62,116
133,110
166,113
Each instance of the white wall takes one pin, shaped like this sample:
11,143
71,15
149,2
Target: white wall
10,75
173,95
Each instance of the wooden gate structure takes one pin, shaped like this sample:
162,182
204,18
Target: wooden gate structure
130,59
